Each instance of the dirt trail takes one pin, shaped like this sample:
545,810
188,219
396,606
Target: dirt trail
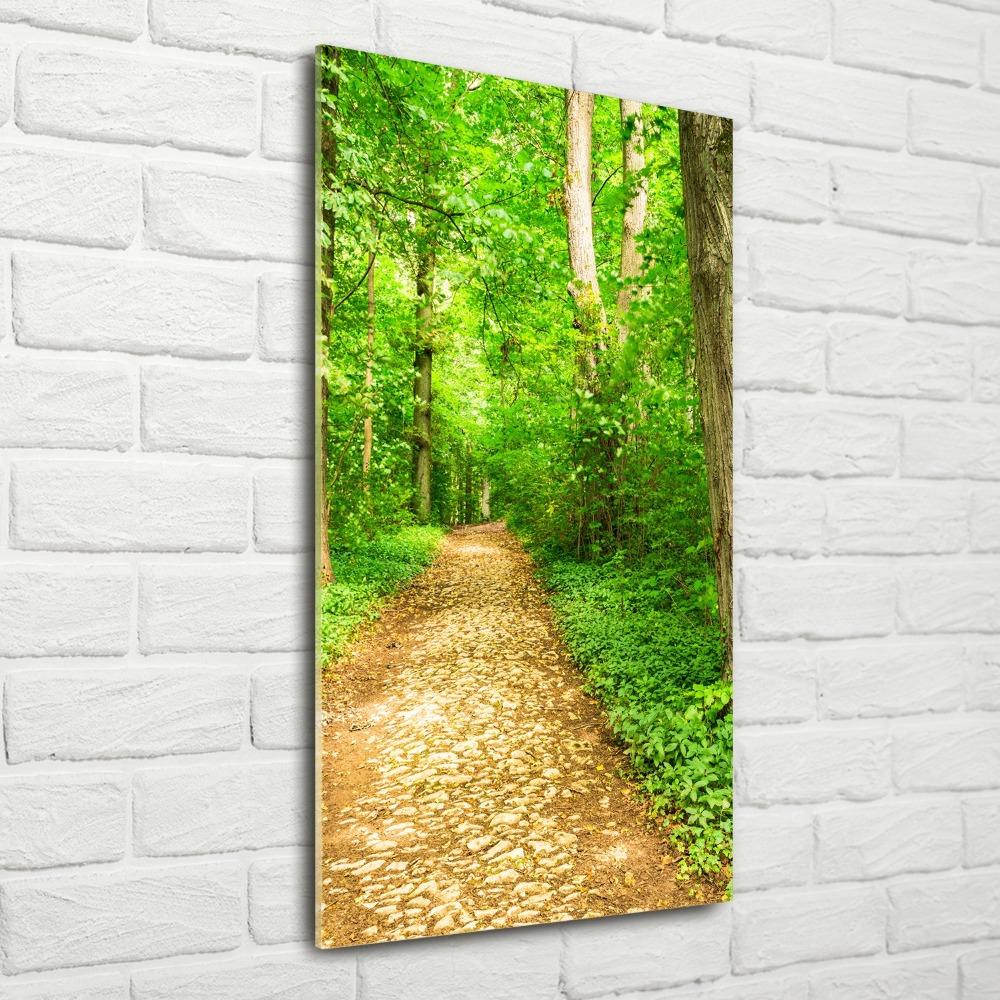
468,783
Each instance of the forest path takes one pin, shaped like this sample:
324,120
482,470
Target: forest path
468,783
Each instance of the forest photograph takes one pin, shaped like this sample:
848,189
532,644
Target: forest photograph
524,503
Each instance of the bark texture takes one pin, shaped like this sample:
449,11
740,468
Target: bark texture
328,155
366,453
707,175
591,318
422,362
634,217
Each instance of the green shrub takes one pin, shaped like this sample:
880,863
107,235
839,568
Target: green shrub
650,649
365,573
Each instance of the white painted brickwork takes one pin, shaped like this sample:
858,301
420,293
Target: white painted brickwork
155,529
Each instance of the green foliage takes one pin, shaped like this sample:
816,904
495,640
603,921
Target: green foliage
654,661
365,573
603,473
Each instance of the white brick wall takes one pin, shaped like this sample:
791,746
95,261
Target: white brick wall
155,283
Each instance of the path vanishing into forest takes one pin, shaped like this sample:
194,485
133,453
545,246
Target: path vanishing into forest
468,783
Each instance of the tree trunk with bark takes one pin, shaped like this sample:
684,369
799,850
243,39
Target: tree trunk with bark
366,453
707,174
484,499
422,361
591,318
634,218
324,316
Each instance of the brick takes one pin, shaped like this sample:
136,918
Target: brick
773,685
229,608
985,521
114,18
663,71
880,681
945,910
260,27
914,40
226,411
954,124
991,56
128,916
520,965
812,268
990,213
867,842
986,365
777,179
91,988
281,901
829,923
66,819
111,96
287,117
894,519
282,706
200,810
908,196
285,319
846,107
946,757
952,598
954,287
98,304
6,89
227,213
926,979
777,350
782,601
777,517
60,197
818,766
282,507
643,14
952,444
793,26
128,507
51,611
102,714
493,40
979,974
870,357
980,821
661,954
800,437
982,686
760,988
55,404
325,977
775,850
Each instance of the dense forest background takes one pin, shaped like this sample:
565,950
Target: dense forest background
508,330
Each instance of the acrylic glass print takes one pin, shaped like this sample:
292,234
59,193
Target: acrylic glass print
524,503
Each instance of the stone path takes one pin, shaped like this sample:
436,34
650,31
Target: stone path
467,781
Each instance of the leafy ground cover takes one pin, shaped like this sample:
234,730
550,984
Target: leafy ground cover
366,572
653,661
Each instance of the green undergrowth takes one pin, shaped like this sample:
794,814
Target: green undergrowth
654,662
366,572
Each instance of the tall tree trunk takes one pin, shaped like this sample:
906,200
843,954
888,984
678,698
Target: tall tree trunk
324,320
707,175
634,218
591,318
467,506
484,500
366,454
423,358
